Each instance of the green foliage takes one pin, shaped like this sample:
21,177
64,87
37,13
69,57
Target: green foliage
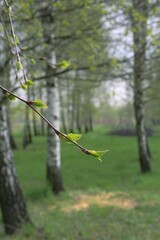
16,39
33,61
24,86
39,103
63,64
19,65
10,97
118,177
29,82
73,136
83,25
97,154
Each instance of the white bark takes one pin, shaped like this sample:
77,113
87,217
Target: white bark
53,157
53,147
139,39
5,151
13,207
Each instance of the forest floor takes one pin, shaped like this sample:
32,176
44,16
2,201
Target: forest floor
102,201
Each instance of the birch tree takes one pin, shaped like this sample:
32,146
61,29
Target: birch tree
139,26
12,203
27,135
131,17
13,206
53,167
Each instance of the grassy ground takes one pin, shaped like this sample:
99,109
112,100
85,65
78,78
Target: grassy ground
103,201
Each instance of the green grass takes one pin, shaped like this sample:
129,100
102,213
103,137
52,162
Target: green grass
114,201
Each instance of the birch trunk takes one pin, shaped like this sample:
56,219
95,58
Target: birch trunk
90,121
53,147
53,157
63,111
34,115
42,122
27,136
78,116
73,108
13,207
12,140
139,38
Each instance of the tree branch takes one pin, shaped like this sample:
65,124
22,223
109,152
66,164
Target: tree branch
59,133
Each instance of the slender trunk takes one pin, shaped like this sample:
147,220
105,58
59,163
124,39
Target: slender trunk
27,136
72,122
42,123
53,157
13,207
78,108
90,121
53,152
139,37
63,117
86,127
34,120
64,126
78,119
12,140
68,105
88,112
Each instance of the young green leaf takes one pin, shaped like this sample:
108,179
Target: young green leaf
97,154
72,136
63,64
24,86
29,82
24,48
10,96
39,103
16,39
19,66
33,61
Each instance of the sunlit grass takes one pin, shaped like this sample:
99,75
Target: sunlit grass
102,201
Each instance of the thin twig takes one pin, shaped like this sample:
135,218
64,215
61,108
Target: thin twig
59,133
14,37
